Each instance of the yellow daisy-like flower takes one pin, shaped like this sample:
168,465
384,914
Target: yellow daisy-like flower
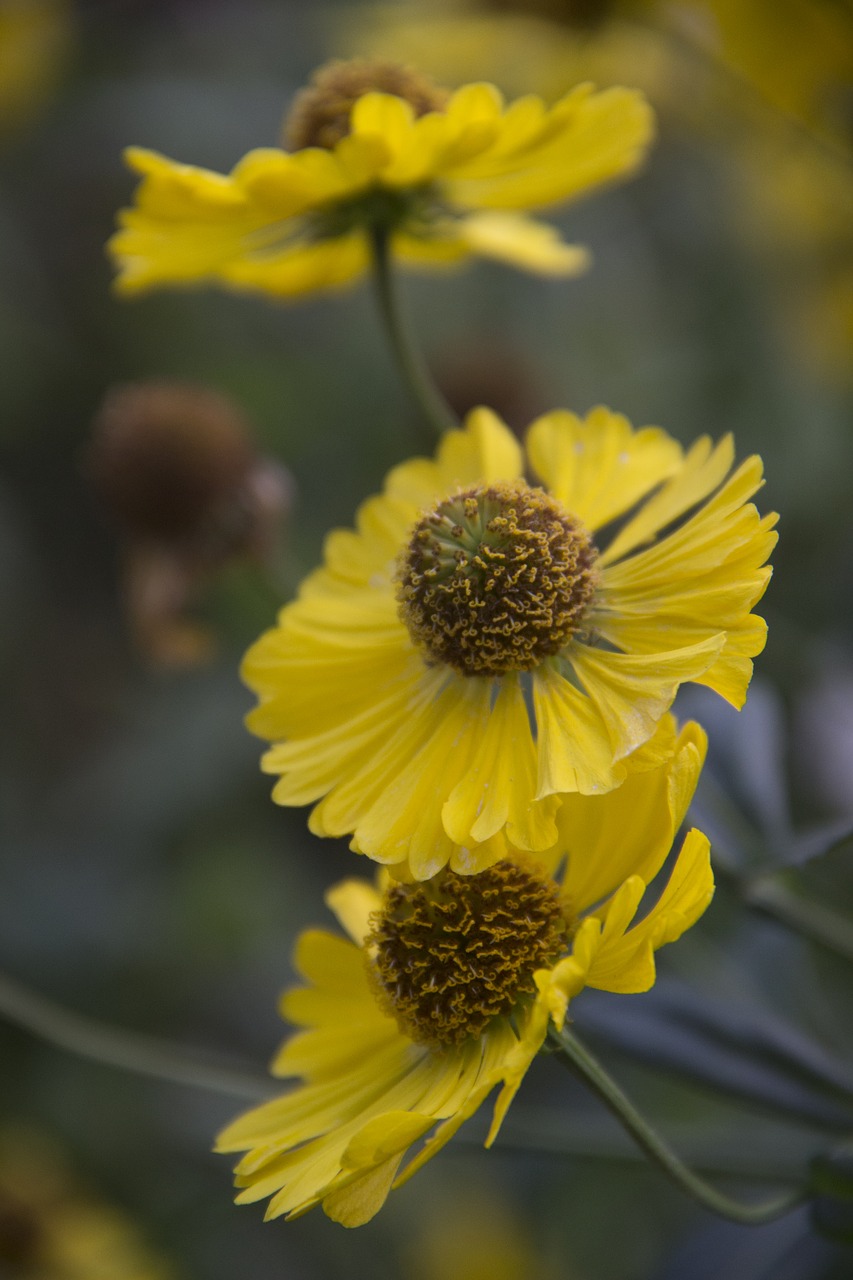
468,653
447,990
442,176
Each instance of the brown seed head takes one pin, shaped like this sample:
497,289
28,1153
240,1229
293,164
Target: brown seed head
166,457
496,579
453,953
320,115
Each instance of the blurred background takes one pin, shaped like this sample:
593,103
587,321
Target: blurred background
147,879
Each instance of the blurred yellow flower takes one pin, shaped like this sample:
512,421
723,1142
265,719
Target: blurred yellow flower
469,1231
51,1229
519,46
447,990
442,178
467,654
35,37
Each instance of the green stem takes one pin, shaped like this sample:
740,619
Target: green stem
115,1047
410,362
580,1060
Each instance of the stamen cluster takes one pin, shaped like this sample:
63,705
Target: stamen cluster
496,579
451,954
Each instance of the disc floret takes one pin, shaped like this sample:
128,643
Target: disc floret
496,579
450,955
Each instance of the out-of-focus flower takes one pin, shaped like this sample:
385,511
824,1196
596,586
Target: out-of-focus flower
795,54
441,176
175,465
52,1229
522,46
473,1232
468,653
796,214
35,38
487,371
711,62
447,989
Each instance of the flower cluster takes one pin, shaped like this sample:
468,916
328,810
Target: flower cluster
476,685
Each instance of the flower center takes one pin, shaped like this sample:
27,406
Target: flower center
320,115
451,954
496,579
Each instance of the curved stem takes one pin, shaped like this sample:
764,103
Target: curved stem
128,1050
570,1051
410,362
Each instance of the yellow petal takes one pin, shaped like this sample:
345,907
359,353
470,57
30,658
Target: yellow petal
386,118
521,242
632,692
498,790
572,739
599,467
404,822
353,902
625,961
703,469
583,141
360,1200
630,830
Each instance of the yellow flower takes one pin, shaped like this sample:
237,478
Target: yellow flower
36,38
468,653
52,1228
443,177
448,989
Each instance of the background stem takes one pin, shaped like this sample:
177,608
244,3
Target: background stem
128,1050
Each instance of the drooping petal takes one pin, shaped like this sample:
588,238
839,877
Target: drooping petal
497,791
522,242
630,830
571,739
625,960
339,1137
702,470
404,821
633,692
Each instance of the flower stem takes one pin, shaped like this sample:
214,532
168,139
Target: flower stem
116,1047
574,1055
410,362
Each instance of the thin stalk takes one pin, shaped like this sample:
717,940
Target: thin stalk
410,362
574,1055
128,1050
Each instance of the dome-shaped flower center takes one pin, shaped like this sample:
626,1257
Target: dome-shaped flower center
496,579
451,954
320,115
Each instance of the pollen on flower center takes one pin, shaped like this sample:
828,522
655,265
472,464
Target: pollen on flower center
496,579
453,953
320,116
